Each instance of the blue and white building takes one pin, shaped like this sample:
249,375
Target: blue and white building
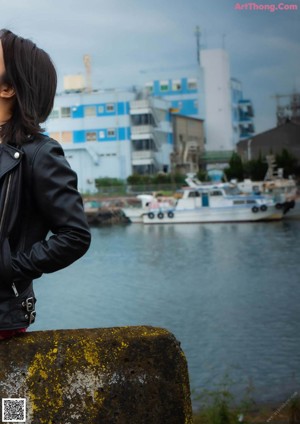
207,91
242,113
111,133
185,93
115,133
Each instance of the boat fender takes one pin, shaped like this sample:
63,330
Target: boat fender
255,209
263,208
160,215
170,214
150,215
278,206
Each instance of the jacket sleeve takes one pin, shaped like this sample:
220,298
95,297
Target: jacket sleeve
57,199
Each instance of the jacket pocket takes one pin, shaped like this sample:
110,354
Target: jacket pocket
18,312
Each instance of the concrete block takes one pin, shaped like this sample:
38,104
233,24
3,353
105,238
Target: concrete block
134,375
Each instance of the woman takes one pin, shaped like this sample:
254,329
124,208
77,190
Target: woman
38,190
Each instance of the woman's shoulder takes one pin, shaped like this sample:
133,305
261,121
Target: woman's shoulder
41,144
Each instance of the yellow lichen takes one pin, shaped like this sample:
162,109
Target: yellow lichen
43,365
43,374
74,370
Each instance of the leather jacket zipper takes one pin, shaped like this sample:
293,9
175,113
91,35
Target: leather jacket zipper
5,202
3,220
15,289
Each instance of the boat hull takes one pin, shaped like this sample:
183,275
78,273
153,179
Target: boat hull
202,215
135,215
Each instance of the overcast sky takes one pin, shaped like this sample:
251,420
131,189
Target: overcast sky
126,36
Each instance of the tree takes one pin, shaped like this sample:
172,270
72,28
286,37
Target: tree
108,182
256,169
235,169
288,162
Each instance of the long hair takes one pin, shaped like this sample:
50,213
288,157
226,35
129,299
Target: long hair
31,73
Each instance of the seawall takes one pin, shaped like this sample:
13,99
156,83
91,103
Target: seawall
134,375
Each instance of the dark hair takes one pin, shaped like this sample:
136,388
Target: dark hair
31,73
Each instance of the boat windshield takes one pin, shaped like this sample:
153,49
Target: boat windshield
232,190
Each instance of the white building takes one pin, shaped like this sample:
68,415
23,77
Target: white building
218,114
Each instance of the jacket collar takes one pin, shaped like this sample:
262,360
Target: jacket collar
9,158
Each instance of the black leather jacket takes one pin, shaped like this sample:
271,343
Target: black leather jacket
38,196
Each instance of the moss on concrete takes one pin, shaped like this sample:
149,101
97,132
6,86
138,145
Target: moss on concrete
131,375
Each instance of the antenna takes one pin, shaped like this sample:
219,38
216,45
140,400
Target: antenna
88,67
289,110
198,34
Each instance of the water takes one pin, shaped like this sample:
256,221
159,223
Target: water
229,292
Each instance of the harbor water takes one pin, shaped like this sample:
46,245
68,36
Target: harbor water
230,293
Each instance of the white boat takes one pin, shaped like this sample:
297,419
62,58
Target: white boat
214,203
146,203
282,190
135,212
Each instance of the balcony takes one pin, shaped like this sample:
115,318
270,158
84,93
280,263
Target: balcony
246,128
144,158
147,105
143,155
141,130
140,106
245,110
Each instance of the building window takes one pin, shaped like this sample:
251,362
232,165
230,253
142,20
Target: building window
111,132
149,87
90,111
66,112
54,114
101,134
55,135
176,85
164,85
67,136
110,107
143,144
192,84
91,136
142,119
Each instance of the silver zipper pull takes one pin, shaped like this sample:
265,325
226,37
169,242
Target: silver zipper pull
15,289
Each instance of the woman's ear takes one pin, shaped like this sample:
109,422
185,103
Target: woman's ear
6,91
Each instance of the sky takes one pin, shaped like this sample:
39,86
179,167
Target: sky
124,37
